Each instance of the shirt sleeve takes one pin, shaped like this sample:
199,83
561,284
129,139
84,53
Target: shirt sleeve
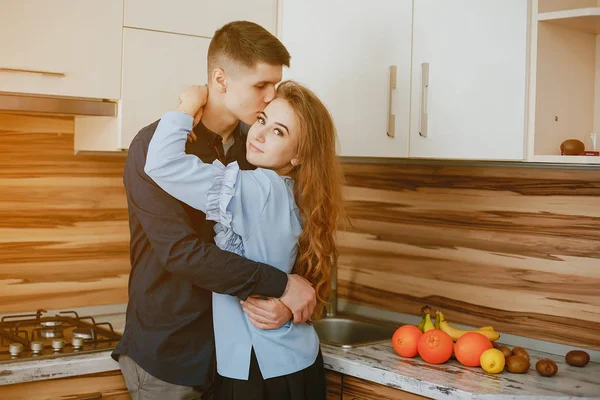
227,195
183,176
178,247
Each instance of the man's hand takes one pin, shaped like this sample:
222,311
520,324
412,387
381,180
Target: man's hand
300,298
266,314
192,101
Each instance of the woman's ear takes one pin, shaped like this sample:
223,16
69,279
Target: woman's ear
295,161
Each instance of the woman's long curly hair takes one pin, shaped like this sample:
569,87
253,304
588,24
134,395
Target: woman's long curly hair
317,189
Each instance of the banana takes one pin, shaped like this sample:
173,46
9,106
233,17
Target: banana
456,333
428,324
436,324
424,311
421,324
486,328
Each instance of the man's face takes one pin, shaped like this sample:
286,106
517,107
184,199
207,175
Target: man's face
249,90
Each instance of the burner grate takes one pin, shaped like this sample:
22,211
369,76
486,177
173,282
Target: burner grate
34,336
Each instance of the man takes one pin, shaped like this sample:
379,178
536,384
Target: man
167,349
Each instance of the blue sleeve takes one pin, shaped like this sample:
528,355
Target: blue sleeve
226,194
183,176
240,200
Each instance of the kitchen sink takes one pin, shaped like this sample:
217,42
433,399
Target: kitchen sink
348,332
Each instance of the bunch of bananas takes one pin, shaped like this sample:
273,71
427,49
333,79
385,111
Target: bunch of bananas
427,324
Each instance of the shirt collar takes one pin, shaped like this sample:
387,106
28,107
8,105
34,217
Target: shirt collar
212,139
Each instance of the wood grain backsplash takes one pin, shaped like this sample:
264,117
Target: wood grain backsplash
63,219
517,248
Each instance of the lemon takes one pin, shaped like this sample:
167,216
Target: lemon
492,361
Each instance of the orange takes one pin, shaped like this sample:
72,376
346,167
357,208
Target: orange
405,340
435,346
469,348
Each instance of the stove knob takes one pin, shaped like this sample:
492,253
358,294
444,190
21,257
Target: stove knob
15,349
37,346
58,344
77,342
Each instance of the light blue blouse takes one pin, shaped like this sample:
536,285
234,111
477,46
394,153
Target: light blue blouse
257,218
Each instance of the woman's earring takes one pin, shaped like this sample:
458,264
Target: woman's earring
295,162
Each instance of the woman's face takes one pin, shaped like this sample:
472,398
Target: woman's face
273,139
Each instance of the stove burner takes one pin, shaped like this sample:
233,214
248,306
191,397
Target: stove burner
50,333
37,346
15,349
36,335
83,333
58,344
77,342
51,323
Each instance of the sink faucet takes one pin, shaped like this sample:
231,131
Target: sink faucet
331,308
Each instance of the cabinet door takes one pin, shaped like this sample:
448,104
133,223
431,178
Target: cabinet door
343,50
104,385
62,47
333,385
198,17
156,67
359,389
474,104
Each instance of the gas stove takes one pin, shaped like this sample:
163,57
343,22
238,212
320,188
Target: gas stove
41,336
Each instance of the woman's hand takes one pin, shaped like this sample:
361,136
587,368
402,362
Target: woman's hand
192,101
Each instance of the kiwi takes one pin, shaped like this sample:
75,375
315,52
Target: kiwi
519,351
546,367
577,358
505,350
517,364
572,147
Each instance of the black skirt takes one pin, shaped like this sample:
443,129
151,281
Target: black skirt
308,384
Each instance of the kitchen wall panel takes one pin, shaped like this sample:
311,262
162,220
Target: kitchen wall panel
63,219
517,248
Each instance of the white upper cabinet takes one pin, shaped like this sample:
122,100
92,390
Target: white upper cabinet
156,67
469,79
343,51
165,45
61,47
198,17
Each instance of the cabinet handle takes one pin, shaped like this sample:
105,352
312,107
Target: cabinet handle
33,71
391,128
424,99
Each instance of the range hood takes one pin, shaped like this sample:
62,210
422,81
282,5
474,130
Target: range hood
23,103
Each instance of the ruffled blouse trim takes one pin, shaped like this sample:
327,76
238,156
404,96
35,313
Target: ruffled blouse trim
219,196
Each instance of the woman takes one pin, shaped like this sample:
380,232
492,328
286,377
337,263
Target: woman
284,213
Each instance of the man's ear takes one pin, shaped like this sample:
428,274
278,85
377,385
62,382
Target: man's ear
219,78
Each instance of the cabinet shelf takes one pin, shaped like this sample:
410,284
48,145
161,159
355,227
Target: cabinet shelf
566,159
583,19
565,80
